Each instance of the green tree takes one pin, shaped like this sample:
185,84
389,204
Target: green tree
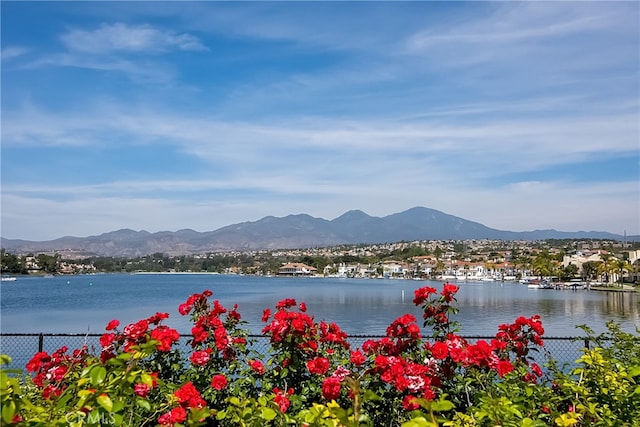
10,263
569,272
49,264
590,270
622,266
607,267
543,264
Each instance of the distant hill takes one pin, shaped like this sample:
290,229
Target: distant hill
295,231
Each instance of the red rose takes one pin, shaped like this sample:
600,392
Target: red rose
112,325
189,396
257,366
331,388
157,318
504,367
219,382
439,350
357,358
135,331
410,403
318,366
422,294
175,416
165,336
448,291
37,361
286,303
107,339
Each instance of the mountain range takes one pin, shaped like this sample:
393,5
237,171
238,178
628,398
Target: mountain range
294,231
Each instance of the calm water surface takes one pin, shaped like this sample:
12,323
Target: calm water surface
80,304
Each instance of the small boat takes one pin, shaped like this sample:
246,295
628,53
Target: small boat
8,279
538,284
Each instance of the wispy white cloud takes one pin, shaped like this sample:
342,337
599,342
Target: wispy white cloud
140,71
122,38
203,134
132,50
399,105
11,52
526,22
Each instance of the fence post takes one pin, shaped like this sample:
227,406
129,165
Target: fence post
40,341
586,343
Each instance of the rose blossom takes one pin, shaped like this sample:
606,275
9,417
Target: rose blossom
331,388
112,325
219,382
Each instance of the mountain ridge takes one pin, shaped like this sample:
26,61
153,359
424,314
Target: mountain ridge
295,231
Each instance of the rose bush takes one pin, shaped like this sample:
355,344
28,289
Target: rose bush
312,376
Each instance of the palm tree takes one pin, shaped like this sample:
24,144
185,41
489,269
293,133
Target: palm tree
542,264
607,267
621,266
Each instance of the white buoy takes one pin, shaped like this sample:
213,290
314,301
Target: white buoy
403,295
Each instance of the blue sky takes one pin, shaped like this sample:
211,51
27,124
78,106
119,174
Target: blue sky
170,115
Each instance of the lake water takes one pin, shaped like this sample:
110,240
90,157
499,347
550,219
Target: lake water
81,304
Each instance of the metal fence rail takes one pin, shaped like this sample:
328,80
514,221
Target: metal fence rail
22,346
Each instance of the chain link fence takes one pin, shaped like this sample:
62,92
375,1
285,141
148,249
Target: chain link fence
22,346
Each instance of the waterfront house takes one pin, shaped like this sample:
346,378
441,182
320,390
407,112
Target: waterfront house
296,269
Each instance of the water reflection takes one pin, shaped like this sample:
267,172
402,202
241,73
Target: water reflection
359,306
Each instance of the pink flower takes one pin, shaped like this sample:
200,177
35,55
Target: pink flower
141,389
200,357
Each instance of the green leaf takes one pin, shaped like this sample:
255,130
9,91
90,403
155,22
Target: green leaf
117,419
8,411
105,402
117,406
417,422
371,396
97,375
144,404
268,414
442,406
146,379
5,359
